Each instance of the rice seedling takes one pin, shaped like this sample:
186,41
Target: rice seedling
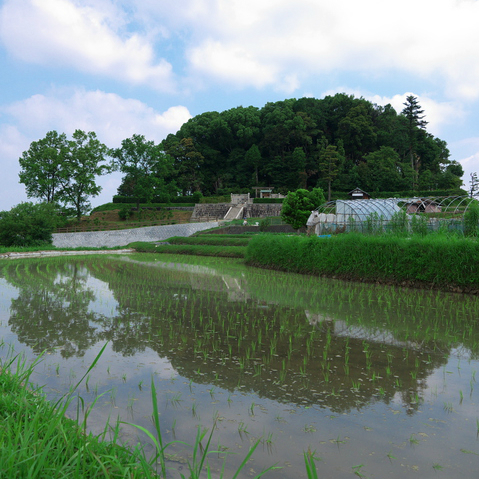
413,440
357,470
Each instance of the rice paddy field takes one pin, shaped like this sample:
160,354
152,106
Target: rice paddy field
367,380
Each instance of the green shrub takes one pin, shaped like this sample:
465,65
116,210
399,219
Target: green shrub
297,206
471,219
264,224
29,224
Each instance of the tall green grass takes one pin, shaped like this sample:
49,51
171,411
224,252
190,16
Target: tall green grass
212,240
191,249
436,260
38,441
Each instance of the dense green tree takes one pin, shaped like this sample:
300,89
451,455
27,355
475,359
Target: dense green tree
328,165
64,171
253,159
357,132
146,168
382,171
187,164
29,224
292,133
297,206
41,167
86,159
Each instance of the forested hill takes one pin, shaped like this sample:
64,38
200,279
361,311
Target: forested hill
339,141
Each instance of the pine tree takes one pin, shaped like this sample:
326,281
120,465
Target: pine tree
415,123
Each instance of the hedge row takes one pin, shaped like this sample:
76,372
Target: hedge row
439,261
195,198
267,200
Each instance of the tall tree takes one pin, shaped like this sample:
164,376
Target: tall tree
253,159
187,163
145,167
416,126
85,161
41,167
328,165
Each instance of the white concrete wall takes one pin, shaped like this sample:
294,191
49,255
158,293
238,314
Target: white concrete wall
98,239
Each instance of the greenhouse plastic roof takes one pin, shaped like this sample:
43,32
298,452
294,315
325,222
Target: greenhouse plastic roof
360,210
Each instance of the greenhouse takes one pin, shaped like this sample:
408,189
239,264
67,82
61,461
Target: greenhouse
374,215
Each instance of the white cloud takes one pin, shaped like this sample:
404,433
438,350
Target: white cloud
259,43
231,63
251,43
89,39
438,114
112,117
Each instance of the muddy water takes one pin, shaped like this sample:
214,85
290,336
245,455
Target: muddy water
376,381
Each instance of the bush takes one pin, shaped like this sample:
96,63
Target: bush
297,206
471,219
264,224
29,224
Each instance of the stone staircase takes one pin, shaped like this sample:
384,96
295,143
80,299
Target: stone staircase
240,206
234,213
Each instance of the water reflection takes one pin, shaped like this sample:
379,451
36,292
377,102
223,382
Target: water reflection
289,340
340,347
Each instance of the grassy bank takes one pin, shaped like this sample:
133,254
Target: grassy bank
446,262
39,441
220,246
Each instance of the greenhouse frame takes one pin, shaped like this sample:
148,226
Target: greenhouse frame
376,215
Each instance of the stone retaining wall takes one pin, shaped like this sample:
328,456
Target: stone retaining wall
110,239
219,210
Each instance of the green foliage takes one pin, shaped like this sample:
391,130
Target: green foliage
374,223
434,259
125,212
267,200
55,169
419,225
398,224
29,224
145,167
284,143
264,224
471,219
191,249
297,206
41,167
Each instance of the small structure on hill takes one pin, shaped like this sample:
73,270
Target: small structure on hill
359,194
266,192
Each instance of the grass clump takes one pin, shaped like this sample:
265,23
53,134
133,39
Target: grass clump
191,249
437,260
223,240
39,441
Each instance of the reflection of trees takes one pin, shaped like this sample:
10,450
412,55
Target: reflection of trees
293,339
260,345
51,310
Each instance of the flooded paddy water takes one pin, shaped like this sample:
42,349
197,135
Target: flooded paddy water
375,381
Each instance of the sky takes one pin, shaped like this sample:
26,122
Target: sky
125,67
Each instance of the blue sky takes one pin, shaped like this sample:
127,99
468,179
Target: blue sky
120,67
